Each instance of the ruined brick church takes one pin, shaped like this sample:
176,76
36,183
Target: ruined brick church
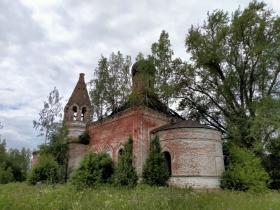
193,152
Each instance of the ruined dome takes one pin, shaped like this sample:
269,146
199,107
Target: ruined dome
143,77
144,67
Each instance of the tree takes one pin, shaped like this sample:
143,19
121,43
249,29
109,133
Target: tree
58,149
234,68
6,174
166,66
49,116
125,174
245,171
14,163
2,151
139,57
97,89
110,85
271,163
19,162
155,171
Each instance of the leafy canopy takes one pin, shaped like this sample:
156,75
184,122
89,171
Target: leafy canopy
111,84
234,68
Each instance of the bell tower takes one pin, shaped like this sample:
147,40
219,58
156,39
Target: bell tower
77,112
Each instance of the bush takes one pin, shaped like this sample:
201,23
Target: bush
58,148
155,171
6,175
125,174
46,170
94,169
244,172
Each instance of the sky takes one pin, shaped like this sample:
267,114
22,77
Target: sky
47,43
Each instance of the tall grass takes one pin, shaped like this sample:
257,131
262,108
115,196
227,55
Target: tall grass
20,196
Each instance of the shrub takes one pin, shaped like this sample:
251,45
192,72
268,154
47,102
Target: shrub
58,148
45,170
155,170
244,171
94,169
125,174
6,175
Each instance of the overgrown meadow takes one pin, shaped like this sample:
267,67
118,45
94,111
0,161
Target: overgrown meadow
20,196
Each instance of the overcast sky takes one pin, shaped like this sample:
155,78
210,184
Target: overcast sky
47,43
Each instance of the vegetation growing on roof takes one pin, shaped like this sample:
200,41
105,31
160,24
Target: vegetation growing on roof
144,76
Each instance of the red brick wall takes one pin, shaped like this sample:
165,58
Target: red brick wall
76,153
194,151
111,133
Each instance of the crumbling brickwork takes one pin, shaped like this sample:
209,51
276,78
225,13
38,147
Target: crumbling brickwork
196,155
113,132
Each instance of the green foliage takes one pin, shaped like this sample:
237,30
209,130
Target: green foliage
84,138
166,67
6,175
155,170
58,148
14,163
234,69
265,126
271,163
94,169
46,170
146,67
139,57
244,172
125,174
19,162
111,84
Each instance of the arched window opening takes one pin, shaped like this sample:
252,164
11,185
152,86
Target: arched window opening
120,154
75,113
83,114
167,158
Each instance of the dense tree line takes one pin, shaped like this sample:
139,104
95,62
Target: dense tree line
14,164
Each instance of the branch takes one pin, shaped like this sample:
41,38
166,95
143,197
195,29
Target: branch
273,82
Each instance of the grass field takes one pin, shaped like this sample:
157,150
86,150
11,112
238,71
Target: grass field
19,196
